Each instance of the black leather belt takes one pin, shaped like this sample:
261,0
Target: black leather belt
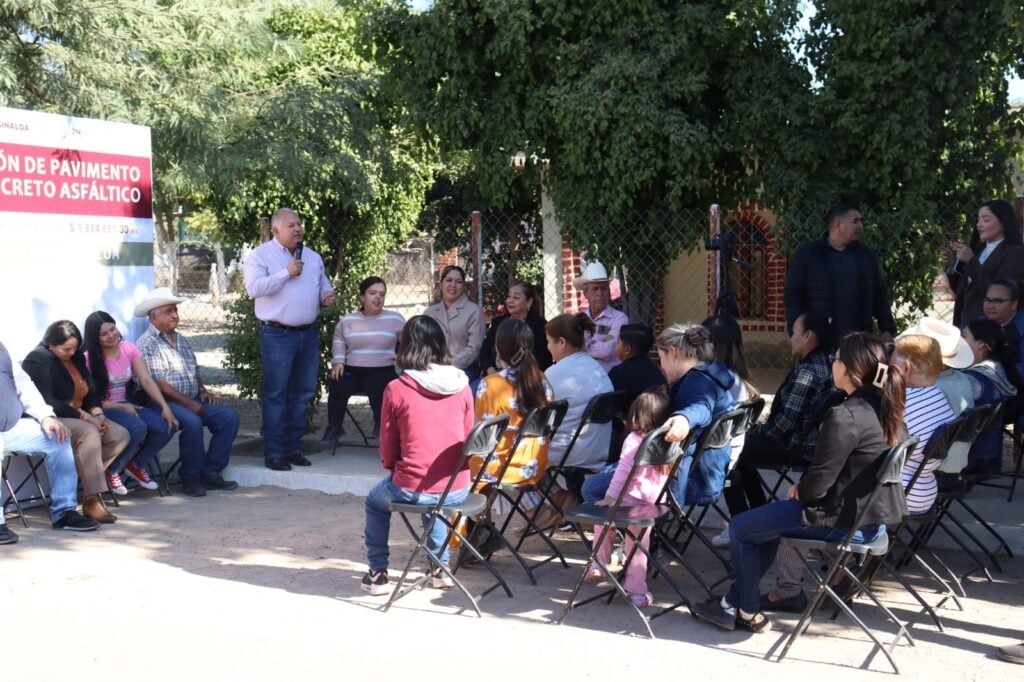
278,325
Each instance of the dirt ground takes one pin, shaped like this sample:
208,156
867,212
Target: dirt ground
263,584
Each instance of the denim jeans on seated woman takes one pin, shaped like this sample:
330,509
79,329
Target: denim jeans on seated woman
378,521
754,539
148,434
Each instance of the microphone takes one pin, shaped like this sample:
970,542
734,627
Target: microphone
298,250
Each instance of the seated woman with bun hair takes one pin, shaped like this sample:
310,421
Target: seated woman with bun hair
701,390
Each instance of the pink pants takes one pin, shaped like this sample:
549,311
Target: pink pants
636,574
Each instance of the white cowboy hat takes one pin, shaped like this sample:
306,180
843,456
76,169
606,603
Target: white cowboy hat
594,272
155,299
955,351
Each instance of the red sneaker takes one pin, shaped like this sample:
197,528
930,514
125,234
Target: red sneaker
141,476
115,484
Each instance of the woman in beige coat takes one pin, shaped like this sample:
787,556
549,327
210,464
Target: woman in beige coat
462,321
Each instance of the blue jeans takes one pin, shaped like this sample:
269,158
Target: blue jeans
290,358
148,435
27,436
754,540
596,485
196,460
378,521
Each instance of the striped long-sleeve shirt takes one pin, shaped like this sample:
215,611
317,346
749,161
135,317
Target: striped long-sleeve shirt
926,409
367,341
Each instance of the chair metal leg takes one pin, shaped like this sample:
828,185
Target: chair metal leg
11,496
984,524
825,591
618,588
359,428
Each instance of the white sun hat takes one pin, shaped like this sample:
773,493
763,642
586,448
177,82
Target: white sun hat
594,272
156,298
955,351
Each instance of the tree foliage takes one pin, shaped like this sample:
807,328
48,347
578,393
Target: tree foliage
648,108
180,67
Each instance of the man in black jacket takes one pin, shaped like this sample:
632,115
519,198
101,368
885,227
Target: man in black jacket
840,278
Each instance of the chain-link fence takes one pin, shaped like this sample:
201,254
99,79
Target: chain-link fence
666,267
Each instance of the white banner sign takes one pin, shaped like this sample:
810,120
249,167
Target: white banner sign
76,222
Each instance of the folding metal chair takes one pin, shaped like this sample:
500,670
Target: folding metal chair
541,422
34,461
905,550
624,518
601,409
481,442
946,519
359,428
681,521
839,555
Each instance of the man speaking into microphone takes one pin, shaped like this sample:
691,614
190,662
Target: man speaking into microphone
289,286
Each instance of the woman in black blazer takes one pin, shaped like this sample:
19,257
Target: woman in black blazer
997,240
57,367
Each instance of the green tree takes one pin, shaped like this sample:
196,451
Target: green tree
652,109
647,109
184,68
909,117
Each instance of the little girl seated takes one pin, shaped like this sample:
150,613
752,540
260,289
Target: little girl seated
649,411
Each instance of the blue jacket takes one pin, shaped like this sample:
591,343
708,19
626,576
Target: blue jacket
701,395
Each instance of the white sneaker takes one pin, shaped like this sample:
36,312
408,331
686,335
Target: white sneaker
721,541
440,580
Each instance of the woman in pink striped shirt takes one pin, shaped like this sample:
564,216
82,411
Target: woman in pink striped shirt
362,356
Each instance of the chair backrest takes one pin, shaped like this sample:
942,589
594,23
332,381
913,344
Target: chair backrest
752,408
962,429
485,436
990,415
653,450
941,442
481,442
601,409
722,430
979,419
890,472
542,422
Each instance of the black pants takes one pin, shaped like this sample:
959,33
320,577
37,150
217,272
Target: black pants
370,381
745,491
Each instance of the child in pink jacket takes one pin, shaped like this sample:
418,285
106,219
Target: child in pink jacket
649,411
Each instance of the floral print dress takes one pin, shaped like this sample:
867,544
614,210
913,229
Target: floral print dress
497,395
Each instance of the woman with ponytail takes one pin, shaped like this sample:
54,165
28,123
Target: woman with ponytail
518,387
832,492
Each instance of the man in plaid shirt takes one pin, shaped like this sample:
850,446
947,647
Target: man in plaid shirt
172,362
791,430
